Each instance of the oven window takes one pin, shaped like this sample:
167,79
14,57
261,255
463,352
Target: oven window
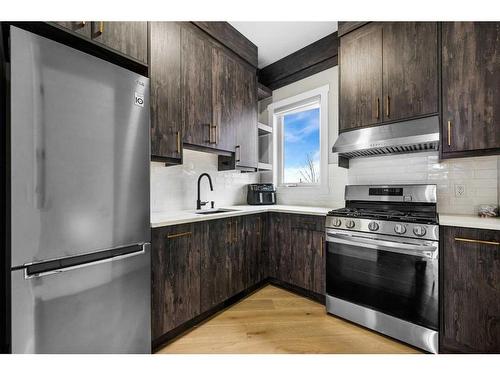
403,286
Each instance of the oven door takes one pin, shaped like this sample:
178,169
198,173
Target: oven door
394,275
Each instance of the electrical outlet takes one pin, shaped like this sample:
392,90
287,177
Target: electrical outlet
459,190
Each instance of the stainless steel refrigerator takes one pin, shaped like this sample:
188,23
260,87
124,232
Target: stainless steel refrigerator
80,232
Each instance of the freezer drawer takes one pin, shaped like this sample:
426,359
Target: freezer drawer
101,307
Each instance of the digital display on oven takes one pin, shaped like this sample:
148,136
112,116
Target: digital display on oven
386,191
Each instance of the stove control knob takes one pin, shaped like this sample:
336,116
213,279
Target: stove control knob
336,222
419,231
350,223
399,229
373,226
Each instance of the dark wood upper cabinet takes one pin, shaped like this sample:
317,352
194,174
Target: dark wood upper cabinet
165,73
196,82
361,77
410,70
79,27
227,35
246,152
345,27
471,87
175,260
130,38
470,300
388,72
224,101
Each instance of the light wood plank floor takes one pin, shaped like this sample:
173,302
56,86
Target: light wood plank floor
273,320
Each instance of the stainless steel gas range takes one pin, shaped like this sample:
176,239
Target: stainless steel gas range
382,261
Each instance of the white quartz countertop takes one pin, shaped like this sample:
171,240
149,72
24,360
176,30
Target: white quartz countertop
162,219
469,221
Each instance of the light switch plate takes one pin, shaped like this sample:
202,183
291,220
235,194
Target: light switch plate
459,190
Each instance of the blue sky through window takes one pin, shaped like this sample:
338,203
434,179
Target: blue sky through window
301,147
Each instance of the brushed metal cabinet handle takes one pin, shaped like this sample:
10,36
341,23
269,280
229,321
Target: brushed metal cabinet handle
237,151
99,31
378,108
388,106
469,240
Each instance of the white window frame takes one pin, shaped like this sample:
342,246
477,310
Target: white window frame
276,111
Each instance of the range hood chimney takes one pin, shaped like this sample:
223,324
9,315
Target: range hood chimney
398,138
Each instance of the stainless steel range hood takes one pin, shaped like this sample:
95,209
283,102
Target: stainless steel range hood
402,137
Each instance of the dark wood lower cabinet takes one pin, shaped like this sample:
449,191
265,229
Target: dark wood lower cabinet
280,247
214,264
175,259
470,321
198,267
235,257
297,250
256,248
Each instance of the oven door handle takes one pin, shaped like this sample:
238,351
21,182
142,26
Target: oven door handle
426,251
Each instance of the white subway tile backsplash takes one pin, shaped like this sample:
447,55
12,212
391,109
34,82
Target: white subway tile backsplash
480,175
175,188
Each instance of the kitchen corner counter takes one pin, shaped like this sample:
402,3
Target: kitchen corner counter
469,221
162,219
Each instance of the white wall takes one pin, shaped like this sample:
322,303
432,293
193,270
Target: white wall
337,177
175,188
480,175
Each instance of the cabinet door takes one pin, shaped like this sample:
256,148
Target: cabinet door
307,240
361,77
176,275
225,103
246,122
471,86
410,83
256,262
471,290
280,247
236,262
196,83
214,264
165,69
79,27
130,38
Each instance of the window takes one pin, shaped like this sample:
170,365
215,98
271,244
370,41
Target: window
301,140
301,146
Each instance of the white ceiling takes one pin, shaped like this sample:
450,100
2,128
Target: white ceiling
276,40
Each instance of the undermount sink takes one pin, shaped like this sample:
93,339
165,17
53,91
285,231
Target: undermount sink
213,211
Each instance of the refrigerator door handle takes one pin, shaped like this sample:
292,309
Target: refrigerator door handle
67,264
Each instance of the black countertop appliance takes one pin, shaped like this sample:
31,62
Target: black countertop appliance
260,194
